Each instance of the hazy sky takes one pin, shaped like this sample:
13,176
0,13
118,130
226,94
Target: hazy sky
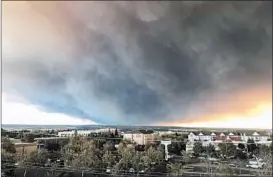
136,63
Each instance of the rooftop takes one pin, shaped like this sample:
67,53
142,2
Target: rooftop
50,138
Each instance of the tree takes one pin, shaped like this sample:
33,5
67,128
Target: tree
126,160
241,164
121,146
227,170
107,159
198,148
152,156
81,153
36,158
267,158
148,145
7,163
177,147
251,146
3,132
210,150
116,132
109,146
28,137
241,146
185,157
227,149
175,169
263,150
208,165
240,155
8,146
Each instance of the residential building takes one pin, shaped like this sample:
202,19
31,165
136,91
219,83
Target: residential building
215,138
201,136
256,136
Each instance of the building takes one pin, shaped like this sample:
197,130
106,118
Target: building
86,132
201,136
67,133
42,143
256,136
189,146
160,133
140,137
236,138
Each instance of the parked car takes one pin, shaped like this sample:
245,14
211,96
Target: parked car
142,171
233,165
201,158
257,165
253,166
212,159
108,170
215,162
131,170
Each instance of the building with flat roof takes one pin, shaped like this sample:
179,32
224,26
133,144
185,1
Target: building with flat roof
140,137
86,132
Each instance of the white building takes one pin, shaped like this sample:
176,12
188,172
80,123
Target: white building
85,132
67,133
189,146
160,133
232,137
257,137
200,136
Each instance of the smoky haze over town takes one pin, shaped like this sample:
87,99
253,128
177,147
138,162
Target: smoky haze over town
139,63
135,88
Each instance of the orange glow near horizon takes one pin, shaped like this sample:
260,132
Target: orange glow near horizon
245,109
263,119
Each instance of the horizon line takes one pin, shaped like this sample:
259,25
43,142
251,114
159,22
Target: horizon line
135,126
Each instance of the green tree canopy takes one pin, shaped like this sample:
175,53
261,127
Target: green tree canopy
82,153
176,147
227,149
198,148
7,163
7,145
251,146
175,169
36,158
210,150
28,137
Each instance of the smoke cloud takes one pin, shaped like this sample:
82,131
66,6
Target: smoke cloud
137,62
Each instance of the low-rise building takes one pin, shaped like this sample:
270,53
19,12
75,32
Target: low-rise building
201,136
140,137
86,132
256,136
189,146
235,138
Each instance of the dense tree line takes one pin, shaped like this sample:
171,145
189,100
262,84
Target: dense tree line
98,153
